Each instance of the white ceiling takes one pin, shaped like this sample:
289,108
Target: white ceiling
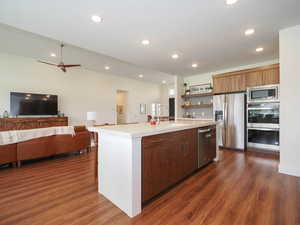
207,32
18,42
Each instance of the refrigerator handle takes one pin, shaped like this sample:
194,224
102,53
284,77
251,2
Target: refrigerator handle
225,121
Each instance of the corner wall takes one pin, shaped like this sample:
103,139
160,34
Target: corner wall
290,101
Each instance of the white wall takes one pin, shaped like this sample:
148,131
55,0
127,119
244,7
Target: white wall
79,90
290,101
207,77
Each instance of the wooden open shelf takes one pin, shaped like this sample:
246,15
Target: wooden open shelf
197,106
197,95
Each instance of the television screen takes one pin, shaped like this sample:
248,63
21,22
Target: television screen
28,104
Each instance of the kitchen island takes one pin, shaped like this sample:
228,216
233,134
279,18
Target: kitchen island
138,161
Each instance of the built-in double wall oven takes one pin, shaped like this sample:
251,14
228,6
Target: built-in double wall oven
263,121
263,114
263,138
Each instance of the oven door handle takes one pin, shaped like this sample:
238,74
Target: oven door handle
264,129
275,108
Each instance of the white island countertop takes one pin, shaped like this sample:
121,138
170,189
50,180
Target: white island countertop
120,159
145,129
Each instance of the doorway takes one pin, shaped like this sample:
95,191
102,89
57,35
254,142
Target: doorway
121,107
171,108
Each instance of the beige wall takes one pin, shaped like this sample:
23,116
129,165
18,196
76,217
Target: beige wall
79,90
290,101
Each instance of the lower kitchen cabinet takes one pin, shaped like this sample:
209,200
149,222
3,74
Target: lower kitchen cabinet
166,159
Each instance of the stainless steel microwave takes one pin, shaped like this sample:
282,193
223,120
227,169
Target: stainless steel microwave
267,93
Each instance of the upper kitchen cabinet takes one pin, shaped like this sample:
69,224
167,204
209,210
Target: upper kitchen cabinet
254,79
239,80
229,83
263,76
270,76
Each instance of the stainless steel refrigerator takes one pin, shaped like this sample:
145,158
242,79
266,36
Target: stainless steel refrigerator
229,112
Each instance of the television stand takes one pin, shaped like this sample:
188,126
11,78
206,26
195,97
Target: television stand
31,123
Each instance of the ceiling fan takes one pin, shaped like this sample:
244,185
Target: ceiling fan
61,65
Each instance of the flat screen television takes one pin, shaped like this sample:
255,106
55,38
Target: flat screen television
28,104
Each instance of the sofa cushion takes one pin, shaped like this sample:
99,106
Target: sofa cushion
36,148
80,128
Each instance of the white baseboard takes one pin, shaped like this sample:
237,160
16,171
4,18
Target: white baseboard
289,170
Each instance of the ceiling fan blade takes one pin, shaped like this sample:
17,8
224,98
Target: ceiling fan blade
51,64
72,65
61,65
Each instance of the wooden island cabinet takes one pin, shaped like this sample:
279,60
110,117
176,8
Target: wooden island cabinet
137,162
166,159
239,80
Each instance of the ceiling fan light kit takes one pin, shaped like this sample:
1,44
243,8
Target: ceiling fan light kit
61,65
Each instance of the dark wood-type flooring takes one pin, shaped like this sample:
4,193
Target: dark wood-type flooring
240,189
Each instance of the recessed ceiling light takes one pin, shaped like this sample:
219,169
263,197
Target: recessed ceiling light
260,49
107,68
195,65
164,81
141,76
249,32
175,56
231,2
145,42
96,19
53,55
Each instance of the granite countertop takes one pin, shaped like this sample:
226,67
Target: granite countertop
145,129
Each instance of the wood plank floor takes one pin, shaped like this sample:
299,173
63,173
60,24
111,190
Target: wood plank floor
241,189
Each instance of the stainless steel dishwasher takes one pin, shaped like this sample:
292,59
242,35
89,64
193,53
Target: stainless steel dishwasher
206,145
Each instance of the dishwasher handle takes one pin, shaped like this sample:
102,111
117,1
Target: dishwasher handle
208,136
204,131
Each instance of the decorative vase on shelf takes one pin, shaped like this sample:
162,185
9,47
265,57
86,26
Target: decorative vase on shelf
5,114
